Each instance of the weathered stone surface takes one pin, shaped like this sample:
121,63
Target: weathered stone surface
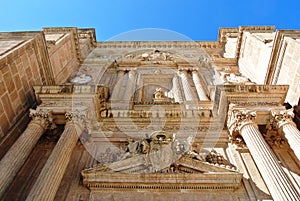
130,89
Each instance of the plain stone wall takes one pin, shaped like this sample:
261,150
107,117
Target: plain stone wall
290,69
255,55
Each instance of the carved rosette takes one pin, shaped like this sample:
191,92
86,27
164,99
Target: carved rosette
239,119
42,117
282,117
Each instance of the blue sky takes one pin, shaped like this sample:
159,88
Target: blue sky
196,19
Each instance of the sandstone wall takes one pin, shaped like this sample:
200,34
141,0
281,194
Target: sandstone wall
22,65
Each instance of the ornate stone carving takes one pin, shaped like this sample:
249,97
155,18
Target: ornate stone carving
233,78
216,158
42,117
77,117
273,137
282,117
238,119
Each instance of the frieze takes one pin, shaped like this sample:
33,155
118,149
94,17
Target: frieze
157,44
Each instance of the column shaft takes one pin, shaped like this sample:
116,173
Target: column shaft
200,91
274,176
186,87
18,153
48,182
283,121
176,90
292,134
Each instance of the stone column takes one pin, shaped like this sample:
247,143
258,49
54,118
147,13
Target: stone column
279,185
186,86
129,91
283,121
176,90
19,152
48,182
199,88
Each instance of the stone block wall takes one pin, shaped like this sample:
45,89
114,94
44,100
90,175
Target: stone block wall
22,65
62,45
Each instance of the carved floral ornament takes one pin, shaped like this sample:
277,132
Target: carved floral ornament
282,117
42,117
239,119
76,116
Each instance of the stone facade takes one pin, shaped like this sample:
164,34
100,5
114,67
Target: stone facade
156,120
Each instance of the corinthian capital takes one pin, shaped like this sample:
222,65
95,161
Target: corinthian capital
76,116
282,117
41,117
239,118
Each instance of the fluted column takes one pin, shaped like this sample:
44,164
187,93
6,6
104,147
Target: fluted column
283,121
176,90
279,185
19,152
48,182
186,86
130,85
200,91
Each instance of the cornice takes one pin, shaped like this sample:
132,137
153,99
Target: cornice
225,31
159,44
89,33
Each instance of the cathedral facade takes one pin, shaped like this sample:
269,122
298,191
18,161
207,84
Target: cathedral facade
156,120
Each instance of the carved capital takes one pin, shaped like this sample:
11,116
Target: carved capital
282,117
42,117
240,118
76,116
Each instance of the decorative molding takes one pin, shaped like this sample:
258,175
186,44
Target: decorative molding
159,44
88,33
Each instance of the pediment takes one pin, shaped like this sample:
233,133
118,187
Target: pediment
162,159
189,174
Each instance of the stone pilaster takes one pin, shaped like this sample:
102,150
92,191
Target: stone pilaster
283,121
118,84
129,91
19,152
189,96
200,91
176,90
48,182
279,185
